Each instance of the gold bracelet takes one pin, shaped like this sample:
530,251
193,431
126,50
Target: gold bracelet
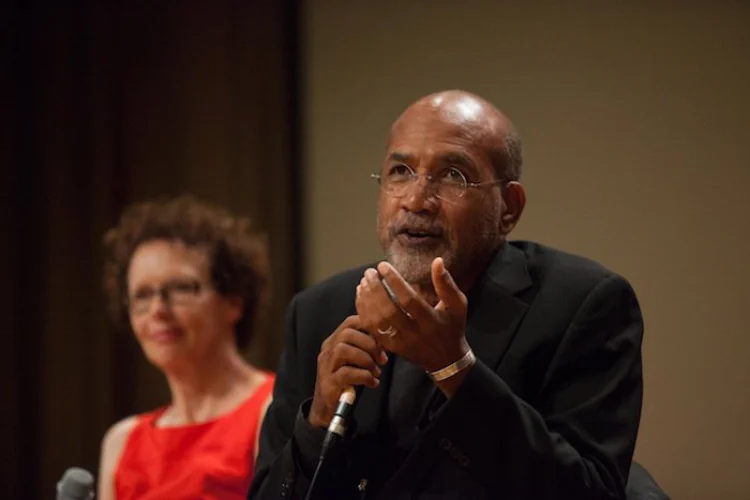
466,361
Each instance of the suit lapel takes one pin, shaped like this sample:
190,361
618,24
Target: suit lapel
494,310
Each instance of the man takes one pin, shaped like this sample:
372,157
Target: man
492,369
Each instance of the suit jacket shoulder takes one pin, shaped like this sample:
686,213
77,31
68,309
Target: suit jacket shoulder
551,264
562,277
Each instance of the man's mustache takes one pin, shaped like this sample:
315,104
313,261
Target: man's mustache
416,224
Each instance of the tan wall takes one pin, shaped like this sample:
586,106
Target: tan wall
635,122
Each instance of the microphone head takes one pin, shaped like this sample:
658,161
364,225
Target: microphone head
76,484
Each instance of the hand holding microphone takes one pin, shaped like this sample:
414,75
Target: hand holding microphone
348,358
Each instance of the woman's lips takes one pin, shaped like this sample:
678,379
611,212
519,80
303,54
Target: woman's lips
165,335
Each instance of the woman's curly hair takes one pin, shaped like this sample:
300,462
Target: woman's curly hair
238,255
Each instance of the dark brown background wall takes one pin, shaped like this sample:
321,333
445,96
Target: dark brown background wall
105,103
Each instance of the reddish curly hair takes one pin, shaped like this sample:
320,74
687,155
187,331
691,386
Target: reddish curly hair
238,255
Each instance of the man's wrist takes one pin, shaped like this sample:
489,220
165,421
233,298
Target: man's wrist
316,420
449,378
464,362
451,385
308,438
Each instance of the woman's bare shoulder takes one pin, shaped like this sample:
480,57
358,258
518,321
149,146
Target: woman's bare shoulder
113,444
118,433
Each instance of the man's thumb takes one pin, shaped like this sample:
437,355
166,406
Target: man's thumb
451,297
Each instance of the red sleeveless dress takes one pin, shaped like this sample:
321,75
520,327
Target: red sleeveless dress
212,460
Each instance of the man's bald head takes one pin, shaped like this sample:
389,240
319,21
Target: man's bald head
472,116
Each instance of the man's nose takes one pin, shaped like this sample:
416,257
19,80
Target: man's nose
420,196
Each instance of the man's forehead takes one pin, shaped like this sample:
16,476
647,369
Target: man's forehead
461,121
430,135
424,132
413,144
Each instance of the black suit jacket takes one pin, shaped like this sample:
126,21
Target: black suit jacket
550,411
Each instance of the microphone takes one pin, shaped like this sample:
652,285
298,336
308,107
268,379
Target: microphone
340,421
76,484
336,430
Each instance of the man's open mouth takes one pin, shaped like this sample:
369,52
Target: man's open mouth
419,236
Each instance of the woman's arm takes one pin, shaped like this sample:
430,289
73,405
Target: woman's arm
112,446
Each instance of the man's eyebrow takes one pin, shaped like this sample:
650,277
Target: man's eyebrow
457,160
400,157
453,159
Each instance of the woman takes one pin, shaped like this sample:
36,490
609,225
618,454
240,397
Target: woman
187,279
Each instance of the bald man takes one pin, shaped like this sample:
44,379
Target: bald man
491,368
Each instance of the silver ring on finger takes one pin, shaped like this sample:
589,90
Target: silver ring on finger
390,331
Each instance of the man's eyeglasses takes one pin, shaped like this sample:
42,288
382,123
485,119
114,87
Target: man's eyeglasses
174,292
449,184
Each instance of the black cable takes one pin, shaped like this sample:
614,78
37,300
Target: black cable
330,440
314,479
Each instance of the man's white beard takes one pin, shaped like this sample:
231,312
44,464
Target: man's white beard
415,266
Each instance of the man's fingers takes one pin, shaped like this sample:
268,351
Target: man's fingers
348,355
451,297
363,342
351,322
399,293
348,376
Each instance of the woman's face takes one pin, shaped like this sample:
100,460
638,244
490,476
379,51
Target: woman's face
175,313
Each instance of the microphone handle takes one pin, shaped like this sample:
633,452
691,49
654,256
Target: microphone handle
343,411
336,431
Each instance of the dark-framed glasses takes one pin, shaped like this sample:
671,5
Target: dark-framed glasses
173,292
448,184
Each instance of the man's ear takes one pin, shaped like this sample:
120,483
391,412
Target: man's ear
514,201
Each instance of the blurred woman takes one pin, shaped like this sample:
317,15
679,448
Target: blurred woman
188,279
